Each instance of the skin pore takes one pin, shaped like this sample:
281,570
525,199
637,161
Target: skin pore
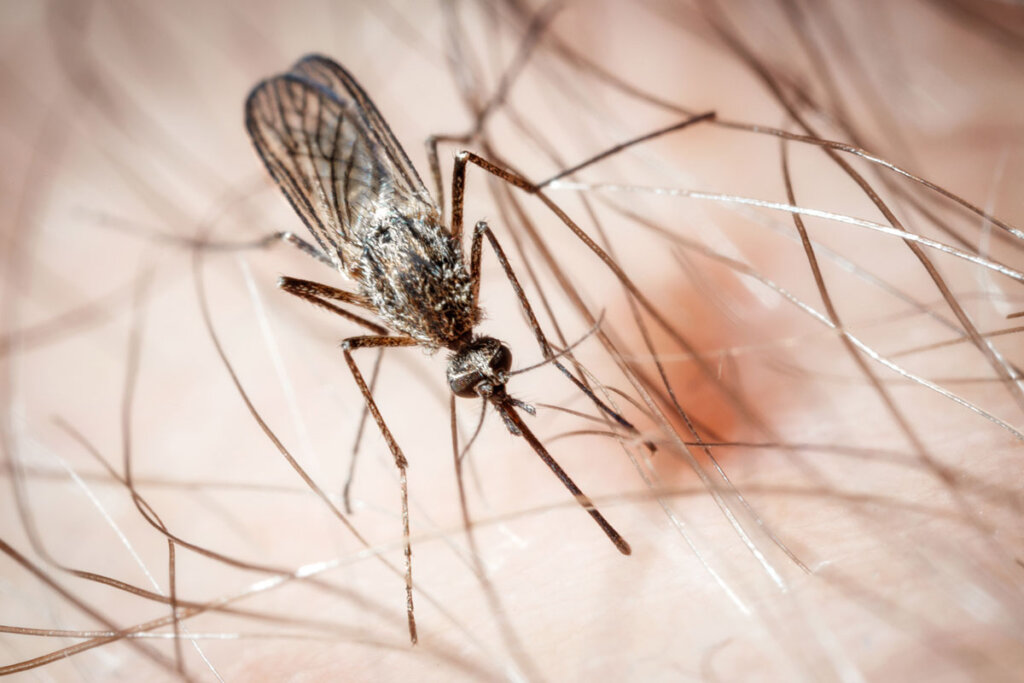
846,510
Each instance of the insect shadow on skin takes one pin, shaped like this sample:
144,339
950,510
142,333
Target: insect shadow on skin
373,220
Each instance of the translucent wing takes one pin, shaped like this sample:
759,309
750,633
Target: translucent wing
331,153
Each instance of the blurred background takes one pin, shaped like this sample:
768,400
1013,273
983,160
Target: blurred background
806,308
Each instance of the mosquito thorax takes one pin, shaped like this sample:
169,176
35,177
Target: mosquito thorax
480,367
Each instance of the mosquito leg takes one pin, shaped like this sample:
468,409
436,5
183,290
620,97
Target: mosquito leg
474,262
318,295
298,286
302,245
346,490
479,232
458,190
483,229
264,242
464,157
285,236
435,165
459,173
347,347
459,186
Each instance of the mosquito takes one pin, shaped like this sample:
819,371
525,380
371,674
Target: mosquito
373,220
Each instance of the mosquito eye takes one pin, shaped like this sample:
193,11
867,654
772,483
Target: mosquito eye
464,384
502,360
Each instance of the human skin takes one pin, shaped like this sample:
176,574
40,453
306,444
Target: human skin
123,123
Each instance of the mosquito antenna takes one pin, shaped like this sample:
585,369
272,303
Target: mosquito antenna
505,407
569,411
610,412
585,432
564,352
562,409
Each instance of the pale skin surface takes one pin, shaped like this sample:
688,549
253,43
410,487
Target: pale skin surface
910,534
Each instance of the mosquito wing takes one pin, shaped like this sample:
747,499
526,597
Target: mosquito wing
332,154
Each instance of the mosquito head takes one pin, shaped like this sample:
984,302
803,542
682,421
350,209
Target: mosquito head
479,368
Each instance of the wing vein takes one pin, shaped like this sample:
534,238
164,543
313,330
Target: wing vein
332,154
